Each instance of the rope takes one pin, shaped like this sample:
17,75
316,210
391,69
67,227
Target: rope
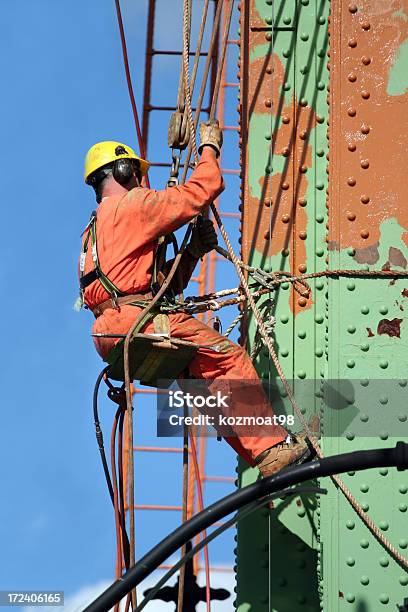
186,71
269,344
130,85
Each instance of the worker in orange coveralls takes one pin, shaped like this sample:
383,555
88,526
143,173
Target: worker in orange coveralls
130,220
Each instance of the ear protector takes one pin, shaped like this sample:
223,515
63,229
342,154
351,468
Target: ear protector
123,170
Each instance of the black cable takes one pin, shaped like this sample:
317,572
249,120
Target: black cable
98,431
243,513
357,460
99,438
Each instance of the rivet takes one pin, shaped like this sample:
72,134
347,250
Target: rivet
284,352
402,418
302,301
365,129
285,252
285,286
350,598
302,374
268,102
365,25
303,102
365,164
403,383
402,507
383,472
320,185
268,36
383,435
303,169
364,382
383,364
267,235
302,334
284,318
302,202
364,580
320,252
287,20
285,185
285,119
303,135
383,401
351,147
285,152
364,543
403,543
351,181
302,268
286,53
364,488
268,136
268,202
320,152
319,119
351,112
383,309
365,507
350,561
319,318
269,70
364,199
351,285
319,285
351,329
351,216
352,77
366,60
268,20
364,418
303,235
304,36
403,580
365,94
320,86
319,218
384,598
352,43
365,346
350,436
319,352
352,8
285,218
364,233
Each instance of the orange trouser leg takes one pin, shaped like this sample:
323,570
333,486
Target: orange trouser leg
231,362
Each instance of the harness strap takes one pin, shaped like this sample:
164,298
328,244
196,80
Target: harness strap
96,274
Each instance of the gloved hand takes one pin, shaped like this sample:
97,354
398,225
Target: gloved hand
203,238
211,134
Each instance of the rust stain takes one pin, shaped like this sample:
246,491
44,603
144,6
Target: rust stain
390,328
368,255
404,293
276,222
370,332
397,258
370,127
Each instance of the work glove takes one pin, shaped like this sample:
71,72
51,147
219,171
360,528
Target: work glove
203,238
211,134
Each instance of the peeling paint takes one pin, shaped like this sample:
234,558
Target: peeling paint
368,255
389,327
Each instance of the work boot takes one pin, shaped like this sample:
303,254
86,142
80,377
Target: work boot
292,451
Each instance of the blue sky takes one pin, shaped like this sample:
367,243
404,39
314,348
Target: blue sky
63,90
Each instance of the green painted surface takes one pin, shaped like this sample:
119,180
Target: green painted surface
311,554
398,75
278,549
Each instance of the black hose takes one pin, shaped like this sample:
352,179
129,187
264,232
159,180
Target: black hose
357,460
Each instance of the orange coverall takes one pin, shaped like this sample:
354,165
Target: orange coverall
128,227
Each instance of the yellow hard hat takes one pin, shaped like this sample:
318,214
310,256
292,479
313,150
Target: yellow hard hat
106,152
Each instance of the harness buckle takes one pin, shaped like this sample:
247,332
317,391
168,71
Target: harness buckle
114,300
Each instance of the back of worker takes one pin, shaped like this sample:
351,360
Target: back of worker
117,269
